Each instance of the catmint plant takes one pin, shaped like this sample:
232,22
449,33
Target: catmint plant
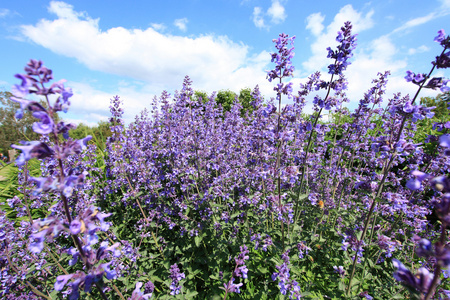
63,182
189,180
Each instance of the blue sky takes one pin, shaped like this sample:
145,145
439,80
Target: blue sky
137,49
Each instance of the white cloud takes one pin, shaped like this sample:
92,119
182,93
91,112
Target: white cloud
258,19
314,23
4,12
420,49
445,4
378,56
416,21
276,12
181,24
89,103
360,23
65,11
158,26
160,60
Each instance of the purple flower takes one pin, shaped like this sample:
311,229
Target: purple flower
440,37
176,277
244,271
416,183
424,248
366,295
344,50
76,226
340,270
403,274
101,217
444,88
302,248
37,241
23,106
63,128
420,282
147,294
435,82
415,78
89,280
232,287
441,183
44,184
61,281
284,67
62,103
75,254
413,184
444,140
45,126
110,274
31,150
21,90
285,283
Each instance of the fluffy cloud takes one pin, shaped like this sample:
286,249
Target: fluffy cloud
162,60
158,26
89,103
258,19
4,12
359,21
314,23
181,24
275,12
420,49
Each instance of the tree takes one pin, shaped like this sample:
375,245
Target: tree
98,132
442,101
201,95
12,130
245,98
441,116
226,98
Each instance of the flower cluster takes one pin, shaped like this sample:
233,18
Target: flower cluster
240,270
421,281
344,50
283,67
287,285
149,287
62,180
175,276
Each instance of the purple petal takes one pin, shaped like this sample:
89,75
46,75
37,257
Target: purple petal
413,184
45,126
61,281
75,227
445,140
37,243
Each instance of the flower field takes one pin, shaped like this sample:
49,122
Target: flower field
262,201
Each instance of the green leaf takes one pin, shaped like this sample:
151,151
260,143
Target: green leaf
198,240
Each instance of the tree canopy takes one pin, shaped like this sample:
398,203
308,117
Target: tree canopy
12,130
